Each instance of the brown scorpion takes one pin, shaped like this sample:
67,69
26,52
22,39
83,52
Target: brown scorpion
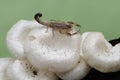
62,27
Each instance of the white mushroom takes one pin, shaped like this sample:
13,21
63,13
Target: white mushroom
77,73
56,53
100,54
3,66
22,70
16,35
83,37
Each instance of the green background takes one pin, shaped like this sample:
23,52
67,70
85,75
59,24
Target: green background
93,15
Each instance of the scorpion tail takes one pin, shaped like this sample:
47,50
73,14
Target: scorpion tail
37,16
78,25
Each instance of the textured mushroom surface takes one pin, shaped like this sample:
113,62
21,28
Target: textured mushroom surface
4,62
100,54
22,70
56,52
77,73
16,36
40,55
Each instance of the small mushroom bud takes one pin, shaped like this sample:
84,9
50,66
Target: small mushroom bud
100,54
22,70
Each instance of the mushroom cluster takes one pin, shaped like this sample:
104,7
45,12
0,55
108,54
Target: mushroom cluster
38,55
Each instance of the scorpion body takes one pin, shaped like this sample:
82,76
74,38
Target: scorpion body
62,27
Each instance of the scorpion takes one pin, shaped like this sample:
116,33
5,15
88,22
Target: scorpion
62,27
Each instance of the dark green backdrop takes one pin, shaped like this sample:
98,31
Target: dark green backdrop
93,15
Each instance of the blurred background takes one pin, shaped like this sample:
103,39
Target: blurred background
93,15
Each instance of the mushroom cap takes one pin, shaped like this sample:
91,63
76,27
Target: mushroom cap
16,35
56,52
77,73
83,37
4,62
22,70
100,54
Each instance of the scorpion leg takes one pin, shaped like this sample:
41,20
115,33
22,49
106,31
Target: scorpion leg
70,22
71,34
47,29
53,32
52,20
